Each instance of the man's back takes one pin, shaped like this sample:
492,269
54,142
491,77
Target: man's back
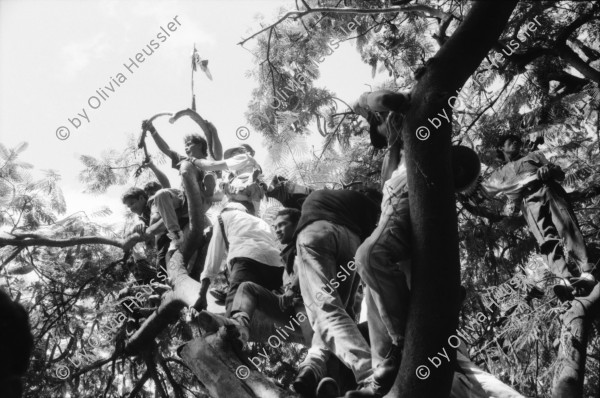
241,227
343,207
250,237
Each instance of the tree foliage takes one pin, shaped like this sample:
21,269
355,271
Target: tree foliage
547,87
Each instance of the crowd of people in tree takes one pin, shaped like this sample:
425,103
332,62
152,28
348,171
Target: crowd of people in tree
335,239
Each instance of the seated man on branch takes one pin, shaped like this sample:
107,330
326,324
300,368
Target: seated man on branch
148,210
246,245
281,307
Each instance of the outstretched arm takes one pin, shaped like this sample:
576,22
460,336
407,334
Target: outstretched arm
160,143
215,148
235,163
160,176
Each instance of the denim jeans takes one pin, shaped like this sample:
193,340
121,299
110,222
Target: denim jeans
383,262
323,249
165,203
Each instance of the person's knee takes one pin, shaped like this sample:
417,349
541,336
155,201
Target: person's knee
365,257
361,257
162,195
248,288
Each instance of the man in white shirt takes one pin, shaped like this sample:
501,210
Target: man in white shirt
248,248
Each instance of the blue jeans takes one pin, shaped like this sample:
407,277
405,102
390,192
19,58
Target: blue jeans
323,249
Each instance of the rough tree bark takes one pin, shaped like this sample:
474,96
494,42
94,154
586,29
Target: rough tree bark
434,306
214,361
576,322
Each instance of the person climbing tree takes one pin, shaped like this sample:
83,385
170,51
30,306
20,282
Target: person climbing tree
531,184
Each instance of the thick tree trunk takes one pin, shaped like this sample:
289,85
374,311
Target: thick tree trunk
434,305
217,366
185,289
568,379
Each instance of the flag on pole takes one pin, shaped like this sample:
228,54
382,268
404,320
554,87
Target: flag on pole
198,62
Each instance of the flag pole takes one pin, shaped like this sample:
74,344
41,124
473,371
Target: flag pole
193,68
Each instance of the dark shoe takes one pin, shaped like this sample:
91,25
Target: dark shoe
564,292
305,383
219,294
579,286
383,377
212,322
385,373
583,284
328,388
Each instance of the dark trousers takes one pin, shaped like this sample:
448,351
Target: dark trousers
552,221
247,270
162,247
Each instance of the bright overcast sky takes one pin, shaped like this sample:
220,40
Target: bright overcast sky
54,55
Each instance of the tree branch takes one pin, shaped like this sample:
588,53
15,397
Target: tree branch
24,240
582,19
140,384
588,193
576,62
